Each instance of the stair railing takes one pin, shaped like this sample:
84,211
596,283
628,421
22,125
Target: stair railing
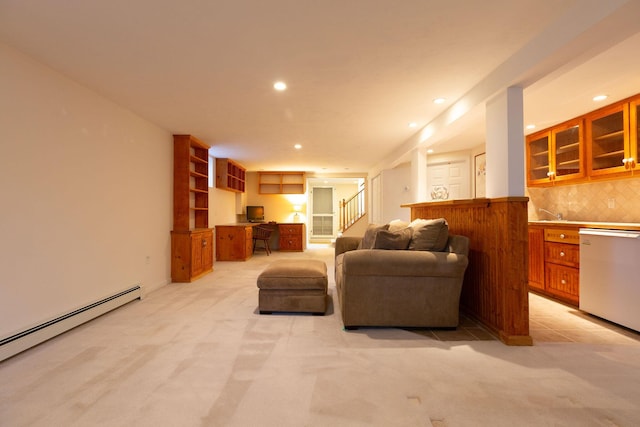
351,210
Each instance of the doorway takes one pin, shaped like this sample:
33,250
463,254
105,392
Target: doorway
323,215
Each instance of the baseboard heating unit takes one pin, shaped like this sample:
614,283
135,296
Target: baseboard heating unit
33,336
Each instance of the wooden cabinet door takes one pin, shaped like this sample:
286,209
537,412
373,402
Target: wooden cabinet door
634,137
563,282
207,250
607,140
196,254
539,170
567,157
536,258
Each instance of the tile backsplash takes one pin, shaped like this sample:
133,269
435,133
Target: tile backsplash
606,201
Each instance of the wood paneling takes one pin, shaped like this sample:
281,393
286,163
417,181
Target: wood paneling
495,289
536,257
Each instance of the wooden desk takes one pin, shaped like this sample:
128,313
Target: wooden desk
234,242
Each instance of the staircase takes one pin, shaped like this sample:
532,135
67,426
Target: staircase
351,210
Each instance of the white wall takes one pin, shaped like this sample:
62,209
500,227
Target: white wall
86,196
392,189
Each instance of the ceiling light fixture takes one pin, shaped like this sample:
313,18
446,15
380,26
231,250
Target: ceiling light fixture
429,151
297,146
280,86
600,98
439,101
531,126
413,124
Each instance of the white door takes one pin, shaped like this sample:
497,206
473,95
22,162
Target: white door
322,213
449,181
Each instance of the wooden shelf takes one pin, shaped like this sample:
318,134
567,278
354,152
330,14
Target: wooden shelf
230,175
610,154
609,136
281,182
190,183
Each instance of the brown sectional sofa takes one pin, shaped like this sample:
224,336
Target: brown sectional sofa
400,287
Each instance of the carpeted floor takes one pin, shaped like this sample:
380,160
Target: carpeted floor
199,355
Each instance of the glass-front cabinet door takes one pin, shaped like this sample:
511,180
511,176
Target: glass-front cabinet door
608,140
567,160
539,159
634,137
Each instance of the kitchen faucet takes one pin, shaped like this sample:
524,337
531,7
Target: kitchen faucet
558,215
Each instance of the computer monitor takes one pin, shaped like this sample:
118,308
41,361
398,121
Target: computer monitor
255,213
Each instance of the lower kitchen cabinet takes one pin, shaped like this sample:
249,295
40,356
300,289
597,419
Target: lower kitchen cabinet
554,262
192,254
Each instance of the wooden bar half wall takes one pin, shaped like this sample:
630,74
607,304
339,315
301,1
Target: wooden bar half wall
495,289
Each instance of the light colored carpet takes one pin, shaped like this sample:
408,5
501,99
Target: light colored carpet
199,355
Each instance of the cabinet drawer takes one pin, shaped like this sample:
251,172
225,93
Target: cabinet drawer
290,243
562,235
562,253
290,230
563,281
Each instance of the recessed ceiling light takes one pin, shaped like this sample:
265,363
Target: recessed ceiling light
600,98
297,146
439,101
429,151
531,126
413,124
280,86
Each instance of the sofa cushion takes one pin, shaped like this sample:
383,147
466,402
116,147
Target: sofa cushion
397,225
370,235
398,240
429,234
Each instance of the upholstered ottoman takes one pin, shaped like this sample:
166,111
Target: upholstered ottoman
298,285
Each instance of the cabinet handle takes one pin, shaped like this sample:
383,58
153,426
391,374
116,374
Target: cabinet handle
564,282
204,243
562,235
561,253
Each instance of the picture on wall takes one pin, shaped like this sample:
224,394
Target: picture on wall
480,169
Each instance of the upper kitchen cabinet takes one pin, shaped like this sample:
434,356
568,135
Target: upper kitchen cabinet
539,159
608,140
634,137
608,149
556,154
568,149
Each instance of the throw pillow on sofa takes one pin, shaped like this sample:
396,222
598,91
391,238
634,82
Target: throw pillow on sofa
397,225
394,240
370,235
429,234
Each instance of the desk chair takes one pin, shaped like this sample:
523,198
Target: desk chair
262,233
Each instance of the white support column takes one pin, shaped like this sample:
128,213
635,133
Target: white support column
505,144
419,175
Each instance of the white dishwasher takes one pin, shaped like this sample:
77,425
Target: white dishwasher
610,275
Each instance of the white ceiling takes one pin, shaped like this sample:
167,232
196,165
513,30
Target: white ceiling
358,71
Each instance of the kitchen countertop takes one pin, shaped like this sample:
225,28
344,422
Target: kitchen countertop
590,224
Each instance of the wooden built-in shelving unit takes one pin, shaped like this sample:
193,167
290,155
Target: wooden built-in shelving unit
281,182
191,238
230,175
